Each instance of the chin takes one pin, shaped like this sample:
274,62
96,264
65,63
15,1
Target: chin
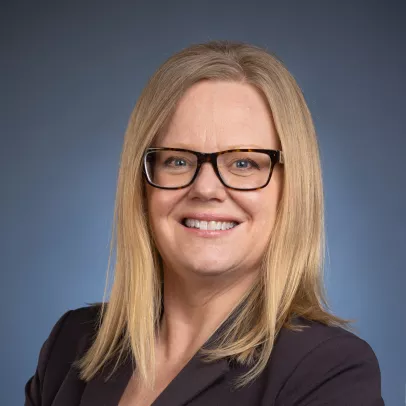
209,268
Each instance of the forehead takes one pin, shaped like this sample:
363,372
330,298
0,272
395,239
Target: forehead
217,115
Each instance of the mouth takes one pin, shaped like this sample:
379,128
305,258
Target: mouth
209,226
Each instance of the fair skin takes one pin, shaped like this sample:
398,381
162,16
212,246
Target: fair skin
204,276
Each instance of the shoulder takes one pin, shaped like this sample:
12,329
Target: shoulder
312,335
68,340
325,363
70,336
75,324
82,319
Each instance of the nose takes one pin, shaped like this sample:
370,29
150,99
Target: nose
207,185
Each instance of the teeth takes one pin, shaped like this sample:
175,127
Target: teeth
210,225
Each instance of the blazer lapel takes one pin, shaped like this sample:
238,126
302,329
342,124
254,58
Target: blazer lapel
194,378
99,392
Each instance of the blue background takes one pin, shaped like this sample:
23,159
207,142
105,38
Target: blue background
70,75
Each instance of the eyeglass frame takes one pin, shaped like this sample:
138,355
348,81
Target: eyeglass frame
276,156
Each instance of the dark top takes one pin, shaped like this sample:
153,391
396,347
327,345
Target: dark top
319,366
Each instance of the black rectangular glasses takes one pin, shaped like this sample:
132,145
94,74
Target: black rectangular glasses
238,169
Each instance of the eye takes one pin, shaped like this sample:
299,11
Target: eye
175,161
246,164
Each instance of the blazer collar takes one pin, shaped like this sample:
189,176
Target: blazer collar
193,379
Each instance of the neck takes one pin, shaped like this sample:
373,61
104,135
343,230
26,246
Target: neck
194,309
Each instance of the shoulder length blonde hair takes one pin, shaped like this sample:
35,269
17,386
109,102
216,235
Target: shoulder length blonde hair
291,282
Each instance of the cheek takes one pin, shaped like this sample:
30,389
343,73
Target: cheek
158,201
260,207
156,209
158,206
161,203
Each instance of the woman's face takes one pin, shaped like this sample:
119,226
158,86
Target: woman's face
216,116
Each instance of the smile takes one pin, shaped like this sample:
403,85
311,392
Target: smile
209,225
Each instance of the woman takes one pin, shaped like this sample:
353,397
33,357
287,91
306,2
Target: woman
218,296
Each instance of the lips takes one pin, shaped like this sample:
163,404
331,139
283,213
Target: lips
211,217
208,225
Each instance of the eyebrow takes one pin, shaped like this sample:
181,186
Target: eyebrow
184,146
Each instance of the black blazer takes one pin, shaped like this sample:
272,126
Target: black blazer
319,366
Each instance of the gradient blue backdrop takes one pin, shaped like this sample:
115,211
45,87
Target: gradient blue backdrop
70,75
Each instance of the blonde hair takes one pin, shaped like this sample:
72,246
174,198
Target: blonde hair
291,282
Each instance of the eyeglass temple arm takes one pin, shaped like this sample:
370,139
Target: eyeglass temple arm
281,157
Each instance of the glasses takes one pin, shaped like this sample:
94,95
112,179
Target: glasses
238,169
